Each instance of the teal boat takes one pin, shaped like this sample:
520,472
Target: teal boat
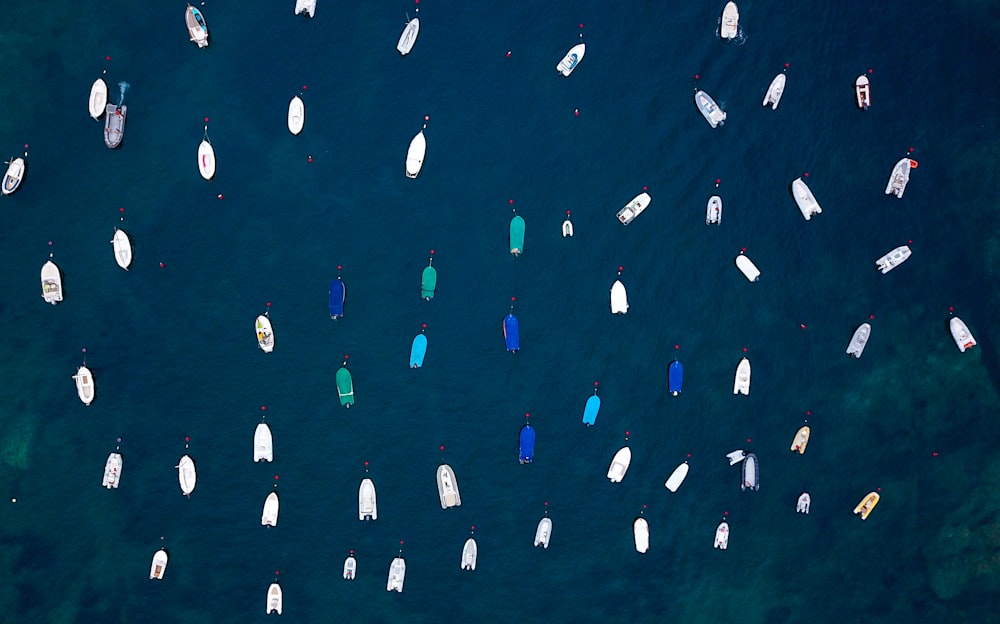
418,350
428,280
516,235
345,386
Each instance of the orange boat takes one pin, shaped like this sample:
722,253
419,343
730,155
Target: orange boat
801,440
866,505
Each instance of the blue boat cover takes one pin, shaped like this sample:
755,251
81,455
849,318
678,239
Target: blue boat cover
676,377
337,295
526,452
511,332
590,410
418,350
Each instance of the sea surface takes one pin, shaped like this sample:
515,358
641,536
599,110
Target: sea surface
178,370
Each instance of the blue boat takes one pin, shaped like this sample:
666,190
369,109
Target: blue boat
590,410
676,377
418,350
338,292
511,333
526,450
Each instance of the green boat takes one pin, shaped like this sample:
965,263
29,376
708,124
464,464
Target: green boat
516,235
345,386
428,281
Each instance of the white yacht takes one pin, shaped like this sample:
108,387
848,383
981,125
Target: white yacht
206,157
187,476
859,340
619,298
713,211
397,573
448,487
961,334
265,334
197,28
640,532
730,21
543,533
751,473
296,115
409,36
634,208
305,7
367,502
736,456
122,246
714,115
899,177
273,603
269,517
805,199
862,88
112,471
415,155
572,59
350,568
722,536
85,388
619,464
263,443
470,552
893,259
775,91
159,565
802,506
51,283
747,268
741,385
12,178
677,477
98,98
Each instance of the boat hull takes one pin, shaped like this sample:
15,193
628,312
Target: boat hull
862,89
187,475
543,532
567,228
448,487
296,115
159,564
591,409
714,115
415,155
51,283
741,384
112,471
774,92
338,294
397,574
428,282
122,246
305,7
265,333
571,60
345,387
517,235
206,160
417,351
859,340
634,208
85,387
470,552
722,536
801,441
269,515
263,444
730,21
960,334
197,27
12,178
640,534
751,473
677,477
367,501
675,377
619,464
867,504
713,211
512,333
899,178
619,298
747,268
114,125
802,505
274,599
805,199
350,568
98,98
526,444
408,37
893,259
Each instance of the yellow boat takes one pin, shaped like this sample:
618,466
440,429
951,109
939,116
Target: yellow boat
867,504
801,440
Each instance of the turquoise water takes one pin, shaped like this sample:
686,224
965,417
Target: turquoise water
174,356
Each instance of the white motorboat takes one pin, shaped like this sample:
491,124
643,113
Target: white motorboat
634,208
187,476
197,28
122,246
269,516
751,473
397,574
714,115
859,340
112,471
470,552
713,211
305,7
722,536
51,283
415,155
85,388
961,334
730,21
747,268
543,533
265,333
677,477
805,199
774,92
899,177
12,178
367,501
741,385
350,568
206,157
408,37
893,259
296,115
159,565
263,443
619,464
273,603
572,59
640,532
98,98
802,506
114,125
736,456
619,298
567,228
862,89
448,487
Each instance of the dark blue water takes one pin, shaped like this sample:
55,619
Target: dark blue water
174,356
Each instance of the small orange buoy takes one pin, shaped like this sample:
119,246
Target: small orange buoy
913,164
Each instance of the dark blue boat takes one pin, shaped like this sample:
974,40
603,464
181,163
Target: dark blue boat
338,292
676,377
526,451
511,332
